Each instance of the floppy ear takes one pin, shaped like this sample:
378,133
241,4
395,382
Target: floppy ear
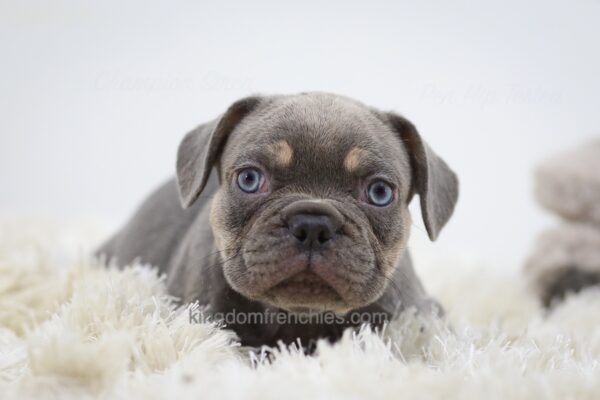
434,182
200,149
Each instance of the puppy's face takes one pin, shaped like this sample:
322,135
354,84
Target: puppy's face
311,213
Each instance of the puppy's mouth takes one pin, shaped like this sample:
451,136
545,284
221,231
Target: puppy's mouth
304,291
279,269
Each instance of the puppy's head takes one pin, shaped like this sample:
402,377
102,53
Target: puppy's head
312,209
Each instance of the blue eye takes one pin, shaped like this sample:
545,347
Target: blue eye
249,180
380,193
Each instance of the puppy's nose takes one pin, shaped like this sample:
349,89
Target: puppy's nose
312,222
311,230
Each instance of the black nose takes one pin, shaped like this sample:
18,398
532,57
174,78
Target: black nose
311,230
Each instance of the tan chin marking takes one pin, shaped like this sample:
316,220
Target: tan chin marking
305,290
354,158
282,153
215,222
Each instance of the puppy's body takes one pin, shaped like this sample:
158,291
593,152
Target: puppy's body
180,241
306,240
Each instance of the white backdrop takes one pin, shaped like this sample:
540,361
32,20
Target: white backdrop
95,97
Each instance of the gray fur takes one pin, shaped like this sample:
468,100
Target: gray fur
233,251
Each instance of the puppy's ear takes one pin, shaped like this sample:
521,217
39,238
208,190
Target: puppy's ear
200,149
434,182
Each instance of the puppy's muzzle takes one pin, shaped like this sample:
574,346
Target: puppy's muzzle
312,222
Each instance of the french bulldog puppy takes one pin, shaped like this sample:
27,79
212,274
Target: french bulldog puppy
294,204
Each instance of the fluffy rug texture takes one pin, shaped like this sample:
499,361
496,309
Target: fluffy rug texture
71,328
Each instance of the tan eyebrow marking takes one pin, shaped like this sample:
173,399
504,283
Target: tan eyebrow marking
282,152
354,158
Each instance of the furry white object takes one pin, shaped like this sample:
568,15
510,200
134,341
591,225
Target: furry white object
72,329
569,246
567,258
569,183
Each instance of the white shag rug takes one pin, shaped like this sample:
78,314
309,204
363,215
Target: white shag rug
70,328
